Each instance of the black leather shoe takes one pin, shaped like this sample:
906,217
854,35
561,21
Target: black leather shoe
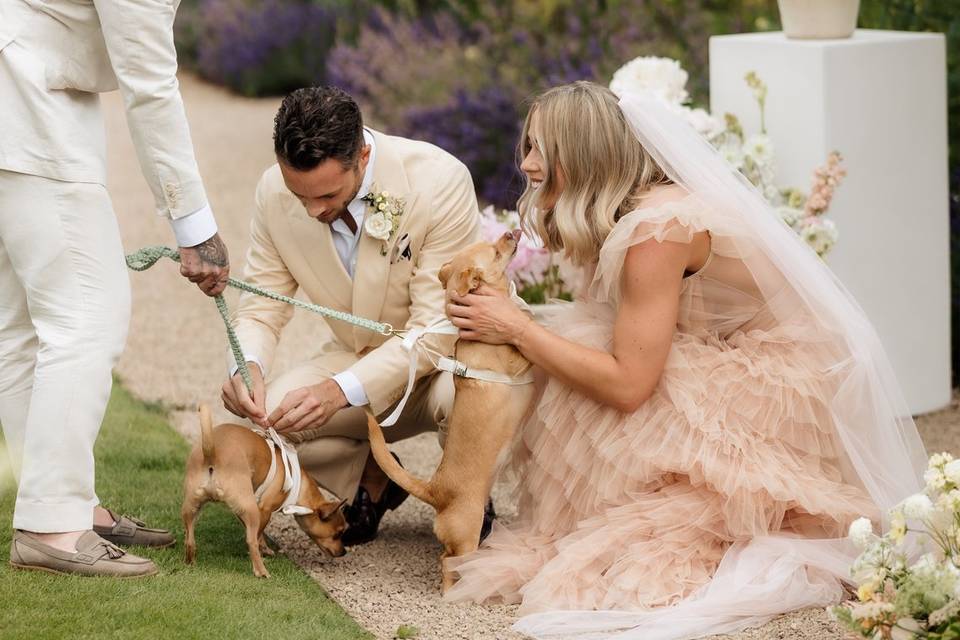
364,515
489,515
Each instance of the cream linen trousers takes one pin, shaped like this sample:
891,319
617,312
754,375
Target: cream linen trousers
63,322
64,295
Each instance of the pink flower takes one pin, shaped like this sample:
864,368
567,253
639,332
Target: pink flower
491,226
825,181
530,263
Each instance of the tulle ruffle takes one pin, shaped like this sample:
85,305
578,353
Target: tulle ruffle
634,511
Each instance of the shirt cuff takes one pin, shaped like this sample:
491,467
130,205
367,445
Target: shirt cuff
197,227
352,389
248,358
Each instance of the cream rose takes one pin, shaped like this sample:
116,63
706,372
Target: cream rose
377,226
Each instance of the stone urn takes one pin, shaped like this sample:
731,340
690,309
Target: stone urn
818,19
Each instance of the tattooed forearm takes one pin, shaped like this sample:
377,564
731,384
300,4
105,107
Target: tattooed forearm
213,251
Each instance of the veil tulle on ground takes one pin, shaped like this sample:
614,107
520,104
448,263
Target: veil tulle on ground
882,451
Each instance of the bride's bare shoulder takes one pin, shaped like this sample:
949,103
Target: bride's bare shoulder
662,194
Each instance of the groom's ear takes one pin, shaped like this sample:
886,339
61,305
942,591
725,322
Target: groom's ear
444,274
468,280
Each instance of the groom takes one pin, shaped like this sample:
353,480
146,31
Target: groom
360,222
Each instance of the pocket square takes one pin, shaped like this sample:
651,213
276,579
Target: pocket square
401,250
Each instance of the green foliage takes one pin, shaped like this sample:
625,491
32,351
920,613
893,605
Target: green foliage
950,632
406,632
139,471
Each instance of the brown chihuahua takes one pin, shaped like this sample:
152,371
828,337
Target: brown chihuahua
484,418
228,465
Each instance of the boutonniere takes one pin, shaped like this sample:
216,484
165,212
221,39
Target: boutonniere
384,219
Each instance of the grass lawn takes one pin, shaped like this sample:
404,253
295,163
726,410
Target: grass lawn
139,472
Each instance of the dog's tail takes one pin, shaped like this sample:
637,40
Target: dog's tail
206,435
378,446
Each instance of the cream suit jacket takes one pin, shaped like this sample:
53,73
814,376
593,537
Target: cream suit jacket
57,55
291,251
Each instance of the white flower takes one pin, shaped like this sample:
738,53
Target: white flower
952,471
664,77
767,177
861,532
760,148
906,629
935,479
733,154
917,507
871,610
772,193
790,215
939,459
898,527
820,234
706,125
377,226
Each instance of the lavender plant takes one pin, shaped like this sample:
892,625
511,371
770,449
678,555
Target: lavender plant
264,47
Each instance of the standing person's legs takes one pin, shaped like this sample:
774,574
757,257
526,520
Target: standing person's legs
63,244
18,353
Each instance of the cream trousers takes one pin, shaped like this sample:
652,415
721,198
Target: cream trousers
64,311
335,454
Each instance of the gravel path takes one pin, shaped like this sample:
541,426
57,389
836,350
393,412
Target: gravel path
174,355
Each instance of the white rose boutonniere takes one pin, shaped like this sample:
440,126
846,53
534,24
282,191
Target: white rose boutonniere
377,227
384,217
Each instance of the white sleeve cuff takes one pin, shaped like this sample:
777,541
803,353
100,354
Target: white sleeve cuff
197,227
254,359
352,389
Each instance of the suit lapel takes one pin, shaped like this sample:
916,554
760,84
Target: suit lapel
316,246
372,273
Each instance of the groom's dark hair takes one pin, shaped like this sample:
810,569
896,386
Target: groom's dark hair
317,123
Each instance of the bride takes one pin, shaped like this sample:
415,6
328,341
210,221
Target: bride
717,409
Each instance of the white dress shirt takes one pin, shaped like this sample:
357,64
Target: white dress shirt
346,243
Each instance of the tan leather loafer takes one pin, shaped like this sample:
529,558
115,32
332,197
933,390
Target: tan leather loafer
94,557
132,532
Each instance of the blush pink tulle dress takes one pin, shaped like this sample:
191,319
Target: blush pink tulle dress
630,511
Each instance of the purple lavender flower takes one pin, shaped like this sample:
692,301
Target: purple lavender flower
264,47
482,130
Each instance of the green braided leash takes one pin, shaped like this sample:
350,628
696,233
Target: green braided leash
148,256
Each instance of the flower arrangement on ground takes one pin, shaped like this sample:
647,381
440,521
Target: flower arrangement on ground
909,578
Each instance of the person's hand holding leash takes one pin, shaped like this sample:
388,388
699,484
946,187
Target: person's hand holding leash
487,315
207,265
237,400
308,407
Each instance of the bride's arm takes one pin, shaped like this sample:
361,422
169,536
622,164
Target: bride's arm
643,331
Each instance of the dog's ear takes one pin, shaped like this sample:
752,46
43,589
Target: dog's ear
330,509
444,274
468,280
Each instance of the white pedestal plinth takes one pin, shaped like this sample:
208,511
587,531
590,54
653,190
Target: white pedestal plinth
879,98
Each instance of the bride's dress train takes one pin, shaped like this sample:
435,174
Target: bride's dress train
626,511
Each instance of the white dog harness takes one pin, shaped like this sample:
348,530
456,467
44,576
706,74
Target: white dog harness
291,473
412,344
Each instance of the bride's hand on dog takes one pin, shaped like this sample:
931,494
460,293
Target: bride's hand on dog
487,315
237,400
308,407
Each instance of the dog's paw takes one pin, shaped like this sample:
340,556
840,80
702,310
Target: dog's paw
267,551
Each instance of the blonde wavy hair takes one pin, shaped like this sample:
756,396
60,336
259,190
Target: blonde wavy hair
583,133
